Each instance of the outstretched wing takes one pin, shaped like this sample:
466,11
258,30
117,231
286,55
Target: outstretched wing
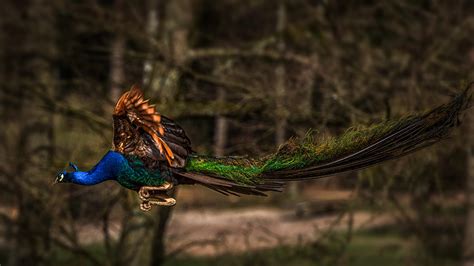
140,131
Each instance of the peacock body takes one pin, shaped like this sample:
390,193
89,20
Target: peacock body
151,153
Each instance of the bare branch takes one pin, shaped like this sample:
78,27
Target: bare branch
205,53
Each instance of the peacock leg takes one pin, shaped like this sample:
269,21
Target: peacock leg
155,195
162,200
158,199
145,192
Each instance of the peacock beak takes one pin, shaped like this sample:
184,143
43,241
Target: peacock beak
59,178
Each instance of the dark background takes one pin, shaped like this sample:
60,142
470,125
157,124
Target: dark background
241,77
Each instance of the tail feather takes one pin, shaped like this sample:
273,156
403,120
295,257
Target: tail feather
226,186
412,134
306,159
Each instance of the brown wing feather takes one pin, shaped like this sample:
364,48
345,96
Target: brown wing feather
139,130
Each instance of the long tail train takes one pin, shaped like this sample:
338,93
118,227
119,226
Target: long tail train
308,158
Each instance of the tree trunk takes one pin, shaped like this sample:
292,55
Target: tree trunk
151,31
158,248
33,243
281,93
177,23
3,62
469,227
221,127
130,239
280,80
116,67
117,49
177,18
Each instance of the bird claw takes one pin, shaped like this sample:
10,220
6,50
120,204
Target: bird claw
164,200
149,197
145,206
145,192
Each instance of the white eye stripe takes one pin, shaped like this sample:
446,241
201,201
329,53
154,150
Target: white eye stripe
61,177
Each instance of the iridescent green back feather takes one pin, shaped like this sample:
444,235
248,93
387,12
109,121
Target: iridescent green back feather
135,174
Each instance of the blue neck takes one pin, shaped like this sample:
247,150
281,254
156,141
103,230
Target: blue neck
107,169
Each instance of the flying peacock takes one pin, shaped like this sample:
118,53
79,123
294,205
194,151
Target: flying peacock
151,153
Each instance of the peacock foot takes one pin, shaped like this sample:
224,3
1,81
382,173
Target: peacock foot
155,195
159,200
146,192
145,206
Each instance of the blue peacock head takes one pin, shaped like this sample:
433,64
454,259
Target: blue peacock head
64,176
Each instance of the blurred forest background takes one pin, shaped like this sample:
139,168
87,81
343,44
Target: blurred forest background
241,77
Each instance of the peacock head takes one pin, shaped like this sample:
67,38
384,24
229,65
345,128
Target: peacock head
64,176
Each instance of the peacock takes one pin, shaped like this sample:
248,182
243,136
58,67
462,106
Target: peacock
151,154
